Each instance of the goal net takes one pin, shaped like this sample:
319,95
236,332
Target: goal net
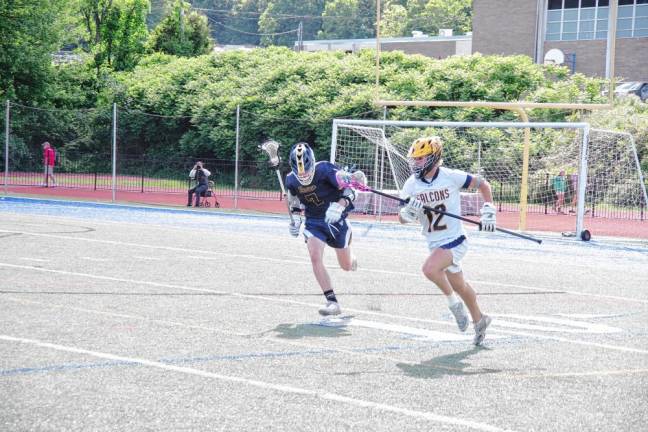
549,198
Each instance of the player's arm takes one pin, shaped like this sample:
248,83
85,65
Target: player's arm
294,203
483,186
488,211
342,179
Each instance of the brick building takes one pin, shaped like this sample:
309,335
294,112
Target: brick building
577,27
532,27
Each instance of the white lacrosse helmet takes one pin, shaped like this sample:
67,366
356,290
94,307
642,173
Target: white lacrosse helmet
302,162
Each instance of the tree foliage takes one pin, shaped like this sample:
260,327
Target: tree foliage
348,19
116,31
182,32
400,17
293,96
31,31
280,19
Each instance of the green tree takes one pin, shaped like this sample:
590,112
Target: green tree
116,31
31,31
393,21
280,20
345,19
426,15
452,14
182,32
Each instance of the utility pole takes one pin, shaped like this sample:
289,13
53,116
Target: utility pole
300,37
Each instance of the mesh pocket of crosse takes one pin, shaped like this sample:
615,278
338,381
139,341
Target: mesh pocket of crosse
271,147
356,179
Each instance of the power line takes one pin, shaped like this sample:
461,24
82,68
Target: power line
250,33
281,16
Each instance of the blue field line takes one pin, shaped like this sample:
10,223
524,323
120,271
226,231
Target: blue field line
422,346
127,207
365,229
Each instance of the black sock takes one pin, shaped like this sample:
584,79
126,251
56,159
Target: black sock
330,296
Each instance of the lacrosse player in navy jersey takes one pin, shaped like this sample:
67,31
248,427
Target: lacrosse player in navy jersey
314,187
439,187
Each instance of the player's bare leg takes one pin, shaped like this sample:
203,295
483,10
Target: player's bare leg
434,269
316,251
466,292
346,259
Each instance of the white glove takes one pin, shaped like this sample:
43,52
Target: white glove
488,217
412,211
334,213
293,228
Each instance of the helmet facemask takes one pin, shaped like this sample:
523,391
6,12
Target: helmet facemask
424,155
302,163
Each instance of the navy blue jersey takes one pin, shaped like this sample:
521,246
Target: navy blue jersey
321,192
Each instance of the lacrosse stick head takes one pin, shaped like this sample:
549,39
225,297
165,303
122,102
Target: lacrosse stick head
271,147
354,180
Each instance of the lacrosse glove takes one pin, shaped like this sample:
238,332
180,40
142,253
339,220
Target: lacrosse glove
334,213
293,228
487,219
412,211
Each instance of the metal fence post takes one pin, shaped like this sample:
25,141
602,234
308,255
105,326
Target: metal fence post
547,189
6,167
236,162
143,165
114,151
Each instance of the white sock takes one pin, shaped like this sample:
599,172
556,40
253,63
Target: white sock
452,299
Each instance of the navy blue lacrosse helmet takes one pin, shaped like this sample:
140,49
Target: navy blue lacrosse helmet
302,162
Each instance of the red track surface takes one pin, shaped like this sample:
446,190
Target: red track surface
635,229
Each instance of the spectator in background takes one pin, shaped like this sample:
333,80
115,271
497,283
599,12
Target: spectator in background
559,186
201,175
49,160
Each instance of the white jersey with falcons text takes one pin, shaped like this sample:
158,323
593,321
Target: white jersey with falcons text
443,193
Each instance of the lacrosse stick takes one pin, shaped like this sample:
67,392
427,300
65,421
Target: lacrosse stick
271,147
363,187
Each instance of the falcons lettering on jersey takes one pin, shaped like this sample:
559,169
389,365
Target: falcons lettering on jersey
431,197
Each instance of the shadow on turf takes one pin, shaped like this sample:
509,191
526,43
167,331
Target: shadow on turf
451,364
298,331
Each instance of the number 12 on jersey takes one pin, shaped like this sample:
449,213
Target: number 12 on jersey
435,219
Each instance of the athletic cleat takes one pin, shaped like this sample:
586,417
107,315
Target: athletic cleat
480,329
330,308
459,312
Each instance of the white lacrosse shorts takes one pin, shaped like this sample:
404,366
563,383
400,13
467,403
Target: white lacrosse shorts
458,252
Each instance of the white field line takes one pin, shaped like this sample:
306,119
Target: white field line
277,300
218,330
282,260
263,385
390,359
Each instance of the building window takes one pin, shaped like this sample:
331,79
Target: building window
588,19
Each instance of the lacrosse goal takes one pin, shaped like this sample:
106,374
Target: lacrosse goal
614,187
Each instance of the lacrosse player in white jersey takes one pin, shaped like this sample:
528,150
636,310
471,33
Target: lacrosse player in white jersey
439,187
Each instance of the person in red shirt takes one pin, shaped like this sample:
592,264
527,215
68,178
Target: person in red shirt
49,160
